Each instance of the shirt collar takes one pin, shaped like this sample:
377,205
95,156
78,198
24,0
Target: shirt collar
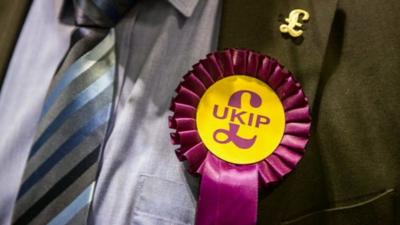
186,7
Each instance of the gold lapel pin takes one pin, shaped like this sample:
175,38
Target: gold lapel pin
293,26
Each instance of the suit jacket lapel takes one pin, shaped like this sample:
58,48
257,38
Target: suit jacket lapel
12,16
255,25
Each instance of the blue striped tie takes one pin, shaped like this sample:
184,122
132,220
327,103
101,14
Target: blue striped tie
60,176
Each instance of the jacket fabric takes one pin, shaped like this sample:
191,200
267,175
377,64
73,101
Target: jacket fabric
12,16
348,62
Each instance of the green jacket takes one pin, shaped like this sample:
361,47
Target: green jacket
348,62
12,16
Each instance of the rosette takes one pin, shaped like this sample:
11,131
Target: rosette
242,121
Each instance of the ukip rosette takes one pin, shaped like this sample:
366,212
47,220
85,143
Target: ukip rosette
242,121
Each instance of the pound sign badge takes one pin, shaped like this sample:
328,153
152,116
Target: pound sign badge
293,22
232,134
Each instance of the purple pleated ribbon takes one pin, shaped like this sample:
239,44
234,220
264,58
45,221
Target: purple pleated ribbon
229,192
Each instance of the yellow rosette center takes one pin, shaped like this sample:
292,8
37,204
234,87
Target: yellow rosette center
240,119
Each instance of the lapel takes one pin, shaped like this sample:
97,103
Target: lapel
255,25
12,17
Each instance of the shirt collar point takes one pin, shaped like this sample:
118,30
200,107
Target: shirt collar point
185,7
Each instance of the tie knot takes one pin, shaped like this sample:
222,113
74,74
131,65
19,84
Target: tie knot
100,13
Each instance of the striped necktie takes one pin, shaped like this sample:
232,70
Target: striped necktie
60,176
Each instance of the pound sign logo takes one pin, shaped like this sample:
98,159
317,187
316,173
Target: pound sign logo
293,22
242,117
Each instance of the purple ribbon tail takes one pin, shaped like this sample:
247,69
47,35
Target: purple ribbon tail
228,193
